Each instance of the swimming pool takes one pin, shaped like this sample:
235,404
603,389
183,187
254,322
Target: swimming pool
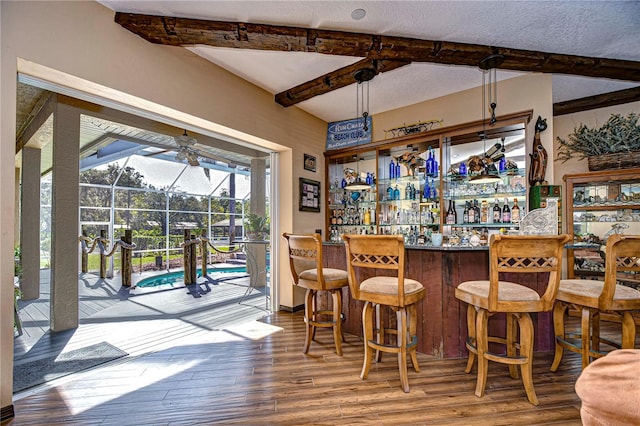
178,276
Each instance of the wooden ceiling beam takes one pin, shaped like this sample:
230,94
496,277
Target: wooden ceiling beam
334,80
175,31
597,101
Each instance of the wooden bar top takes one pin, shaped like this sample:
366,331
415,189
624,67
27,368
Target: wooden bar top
442,319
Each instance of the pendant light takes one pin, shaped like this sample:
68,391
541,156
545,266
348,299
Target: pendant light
362,77
357,184
488,66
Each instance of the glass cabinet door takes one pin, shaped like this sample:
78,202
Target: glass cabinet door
601,204
484,186
409,190
352,195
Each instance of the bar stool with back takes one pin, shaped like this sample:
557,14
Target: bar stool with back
596,298
369,254
510,254
305,261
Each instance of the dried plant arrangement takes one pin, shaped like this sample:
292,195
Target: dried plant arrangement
618,134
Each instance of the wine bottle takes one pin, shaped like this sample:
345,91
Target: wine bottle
465,213
497,212
506,212
451,214
471,215
515,212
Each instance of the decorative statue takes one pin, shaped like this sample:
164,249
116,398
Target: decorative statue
539,157
411,160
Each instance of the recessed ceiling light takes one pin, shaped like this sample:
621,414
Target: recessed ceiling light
358,14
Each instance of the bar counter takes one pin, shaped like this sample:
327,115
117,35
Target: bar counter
442,319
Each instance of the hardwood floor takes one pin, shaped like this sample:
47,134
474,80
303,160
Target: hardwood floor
255,373
207,361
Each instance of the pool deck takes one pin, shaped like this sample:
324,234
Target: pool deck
139,320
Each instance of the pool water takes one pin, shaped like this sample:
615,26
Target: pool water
178,276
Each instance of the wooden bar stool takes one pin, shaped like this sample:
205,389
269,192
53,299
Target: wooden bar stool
510,254
385,253
305,261
594,299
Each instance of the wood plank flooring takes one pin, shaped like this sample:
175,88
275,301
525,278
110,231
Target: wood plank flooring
193,364
256,374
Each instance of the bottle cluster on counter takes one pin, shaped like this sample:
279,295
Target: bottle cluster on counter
483,213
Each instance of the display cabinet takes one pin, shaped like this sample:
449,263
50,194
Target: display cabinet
598,205
485,185
406,185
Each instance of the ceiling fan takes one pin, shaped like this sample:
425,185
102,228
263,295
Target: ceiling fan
186,150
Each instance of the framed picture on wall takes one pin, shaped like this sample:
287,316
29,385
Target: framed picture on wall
309,162
309,195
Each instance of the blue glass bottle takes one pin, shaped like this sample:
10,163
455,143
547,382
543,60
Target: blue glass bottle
396,193
343,183
426,193
369,179
397,170
502,166
462,169
429,163
392,170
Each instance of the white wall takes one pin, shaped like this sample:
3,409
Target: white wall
78,44
530,92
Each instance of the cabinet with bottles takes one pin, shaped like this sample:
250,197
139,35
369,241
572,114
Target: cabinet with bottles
352,195
409,190
599,204
427,183
484,191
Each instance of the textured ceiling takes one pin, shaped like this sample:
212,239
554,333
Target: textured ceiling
608,29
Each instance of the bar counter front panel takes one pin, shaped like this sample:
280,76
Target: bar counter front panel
442,319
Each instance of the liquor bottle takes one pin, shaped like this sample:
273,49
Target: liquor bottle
484,212
506,212
396,193
369,179
477,209
451,214
471,215
389,193
515,212
497,213
397,174
334,218
339,220
465,213
367,217
392,169
407,191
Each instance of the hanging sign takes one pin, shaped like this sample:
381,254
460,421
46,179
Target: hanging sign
342,134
